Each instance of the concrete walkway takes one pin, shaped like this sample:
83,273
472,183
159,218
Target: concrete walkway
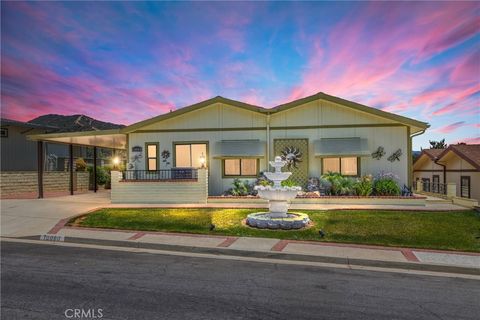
28,218
269,245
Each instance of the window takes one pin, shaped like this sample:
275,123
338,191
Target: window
240,167
436,183
346,166
152,156
426,184
465,186
189,154
4,132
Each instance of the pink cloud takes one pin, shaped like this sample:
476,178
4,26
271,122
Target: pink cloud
451,127
462,101
468,140
467,70
363,65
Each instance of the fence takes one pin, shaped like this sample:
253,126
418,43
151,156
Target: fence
159,175
161,186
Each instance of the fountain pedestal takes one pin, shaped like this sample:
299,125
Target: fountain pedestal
278,197
278,208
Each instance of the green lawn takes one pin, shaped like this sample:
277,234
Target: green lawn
434,230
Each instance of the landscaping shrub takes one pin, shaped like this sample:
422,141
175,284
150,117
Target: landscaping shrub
340,185
385,184
102,175
263,181
108,182
364,186
80,164
325,187
289,183
313,184
239,188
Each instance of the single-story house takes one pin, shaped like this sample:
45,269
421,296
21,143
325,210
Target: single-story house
458,164
233,139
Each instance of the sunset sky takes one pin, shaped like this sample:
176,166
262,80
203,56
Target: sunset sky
127,61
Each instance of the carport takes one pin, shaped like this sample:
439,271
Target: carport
112,139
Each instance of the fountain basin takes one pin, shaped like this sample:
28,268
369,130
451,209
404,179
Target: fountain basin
264,220
284,193
277,176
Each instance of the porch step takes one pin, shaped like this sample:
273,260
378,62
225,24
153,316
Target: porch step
433,199
438,200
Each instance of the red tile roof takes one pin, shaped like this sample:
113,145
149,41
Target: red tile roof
433,153
468,152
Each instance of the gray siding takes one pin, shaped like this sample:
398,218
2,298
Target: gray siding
17,153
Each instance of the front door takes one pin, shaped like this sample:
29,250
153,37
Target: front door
426,184
436,184
465,186
295,152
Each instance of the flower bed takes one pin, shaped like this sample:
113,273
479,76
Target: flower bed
337,200
321,197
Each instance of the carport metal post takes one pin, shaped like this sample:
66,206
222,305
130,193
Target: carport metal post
94,169
70,165
40,168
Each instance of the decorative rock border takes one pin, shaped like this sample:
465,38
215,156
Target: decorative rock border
262,220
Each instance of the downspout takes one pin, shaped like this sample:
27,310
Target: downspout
267,157
444,170
410,174
418,133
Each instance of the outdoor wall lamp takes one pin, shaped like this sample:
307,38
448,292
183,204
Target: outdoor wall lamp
116,162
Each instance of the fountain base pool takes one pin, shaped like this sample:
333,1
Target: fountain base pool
265,220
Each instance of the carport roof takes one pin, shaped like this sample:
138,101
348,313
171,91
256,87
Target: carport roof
102,138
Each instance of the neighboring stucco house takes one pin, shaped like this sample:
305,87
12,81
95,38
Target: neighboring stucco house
324,133
459,164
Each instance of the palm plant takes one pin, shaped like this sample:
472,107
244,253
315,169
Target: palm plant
340,185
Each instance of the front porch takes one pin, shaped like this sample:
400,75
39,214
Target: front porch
444,192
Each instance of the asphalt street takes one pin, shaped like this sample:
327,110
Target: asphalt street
52,282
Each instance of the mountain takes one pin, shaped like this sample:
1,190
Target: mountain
416,154
77,122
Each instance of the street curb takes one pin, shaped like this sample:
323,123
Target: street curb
272,255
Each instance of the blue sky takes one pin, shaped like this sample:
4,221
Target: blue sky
126,61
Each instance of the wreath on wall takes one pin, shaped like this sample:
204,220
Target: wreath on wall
292,156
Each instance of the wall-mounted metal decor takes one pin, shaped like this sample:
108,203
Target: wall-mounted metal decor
379,153
136,157
165,156
395,156
292,156
137,149
300,173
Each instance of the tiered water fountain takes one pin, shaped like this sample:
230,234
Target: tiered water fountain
278,197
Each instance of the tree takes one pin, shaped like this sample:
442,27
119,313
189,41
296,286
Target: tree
438,144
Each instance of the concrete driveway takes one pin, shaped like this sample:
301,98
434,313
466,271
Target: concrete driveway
29,217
